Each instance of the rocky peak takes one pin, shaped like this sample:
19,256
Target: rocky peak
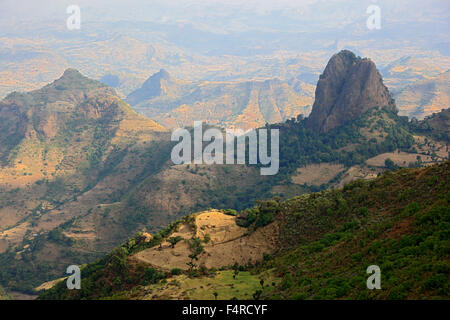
162,74
155,79
73,80
156,85
71,73
348,87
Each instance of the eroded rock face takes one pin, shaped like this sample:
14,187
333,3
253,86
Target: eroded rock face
348,87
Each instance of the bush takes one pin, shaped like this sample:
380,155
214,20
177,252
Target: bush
174,240
267,256
287,281
363,211
176,271
357,257
435,282
230,212
389,164
411,209
152,276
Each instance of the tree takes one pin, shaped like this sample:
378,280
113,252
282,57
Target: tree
174,240
257,294
215,295
191,265
388,163
236,270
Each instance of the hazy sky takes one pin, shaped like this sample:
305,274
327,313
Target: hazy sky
342,11
422,23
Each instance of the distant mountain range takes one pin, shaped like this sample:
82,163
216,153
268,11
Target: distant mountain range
424,97
407,70
244,105
420,90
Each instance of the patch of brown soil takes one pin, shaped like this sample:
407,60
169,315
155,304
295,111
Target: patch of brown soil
401,159
358,172
228,244
317,174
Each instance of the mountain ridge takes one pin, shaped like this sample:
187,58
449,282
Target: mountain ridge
378,221
246,104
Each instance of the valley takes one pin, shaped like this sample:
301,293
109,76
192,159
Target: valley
82,172
324,243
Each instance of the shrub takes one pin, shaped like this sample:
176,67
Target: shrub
152,276
389,164
363,211
287,281
435,282
230,212
176,271
174,240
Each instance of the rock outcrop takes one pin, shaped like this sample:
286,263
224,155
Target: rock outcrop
348,87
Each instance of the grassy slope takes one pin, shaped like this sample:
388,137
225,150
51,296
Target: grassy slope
242,286
399,221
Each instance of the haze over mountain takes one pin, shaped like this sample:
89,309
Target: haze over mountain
174,103
407,70
216,40
424,97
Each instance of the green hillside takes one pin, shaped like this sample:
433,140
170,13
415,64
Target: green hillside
399,221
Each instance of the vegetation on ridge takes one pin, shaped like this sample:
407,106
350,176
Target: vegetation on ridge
399,221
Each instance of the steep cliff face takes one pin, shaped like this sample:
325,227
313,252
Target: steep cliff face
348,87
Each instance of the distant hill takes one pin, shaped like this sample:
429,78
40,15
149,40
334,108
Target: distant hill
66,148
407,70
175,103
436,125
424,97
159,84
